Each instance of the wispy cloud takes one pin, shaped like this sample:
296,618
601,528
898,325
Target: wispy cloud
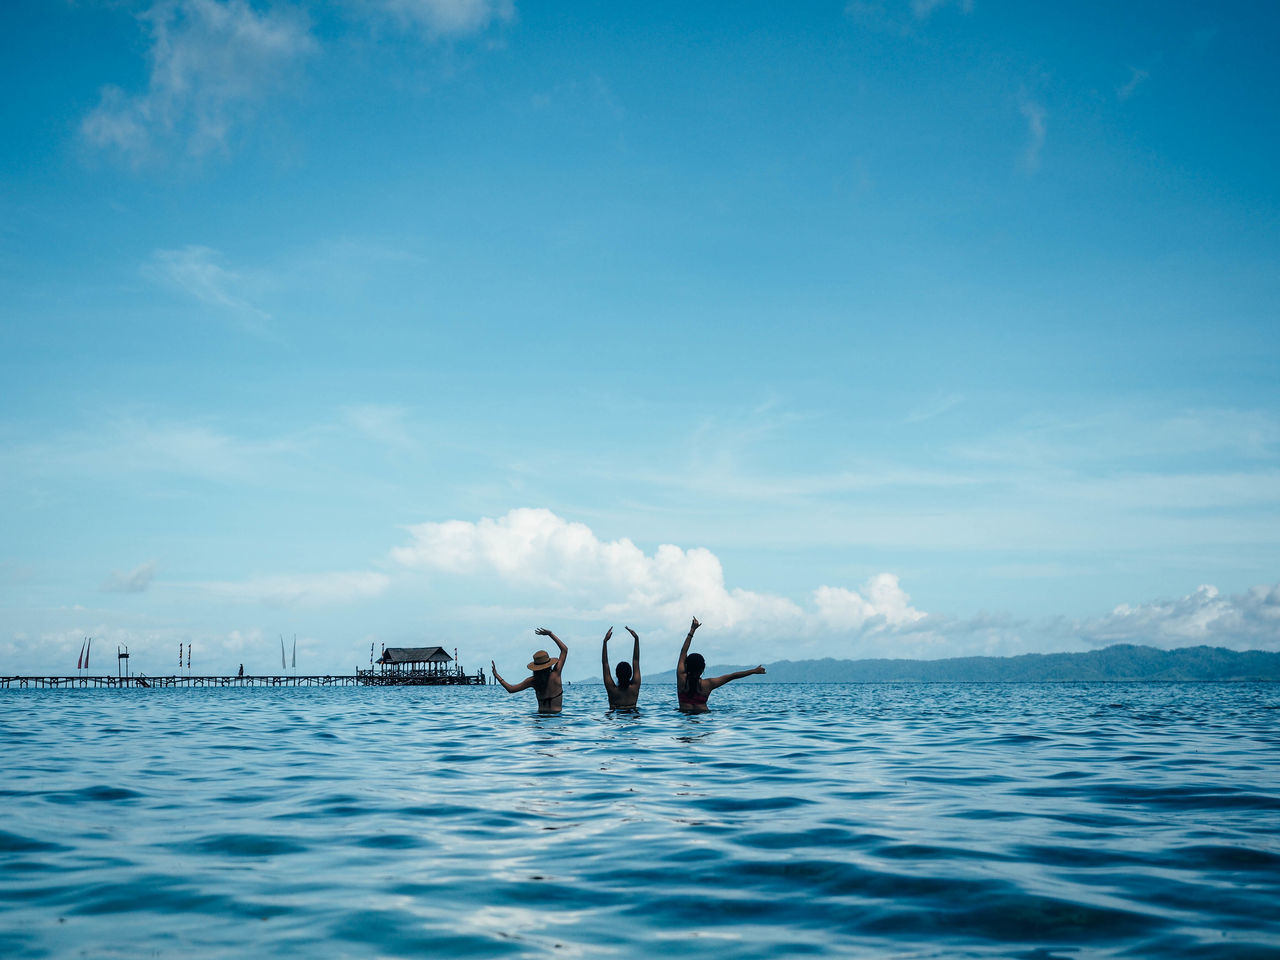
936,408
900,16
212,64
382,423
136,580
200,272
924,9
451,18
1136,79
130,445
1037,127
315,589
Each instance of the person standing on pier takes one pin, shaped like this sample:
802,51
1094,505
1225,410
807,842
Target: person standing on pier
546,679
624,692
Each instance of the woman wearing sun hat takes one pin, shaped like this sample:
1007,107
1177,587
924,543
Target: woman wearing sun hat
546,676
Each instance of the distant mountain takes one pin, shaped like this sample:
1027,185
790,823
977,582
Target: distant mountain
1119,662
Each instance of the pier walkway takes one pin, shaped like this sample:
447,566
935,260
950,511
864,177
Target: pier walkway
363,679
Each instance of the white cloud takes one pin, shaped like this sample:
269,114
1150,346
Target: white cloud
212,63
536,549
200,273
300,589
881,603
452,18
135,581
574,574
1036,116
1249,620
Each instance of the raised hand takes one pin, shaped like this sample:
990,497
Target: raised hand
544,632
695,625
633,633
608,634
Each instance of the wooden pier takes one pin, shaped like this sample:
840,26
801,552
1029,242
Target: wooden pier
361,679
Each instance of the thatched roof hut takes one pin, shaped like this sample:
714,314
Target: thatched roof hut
415,659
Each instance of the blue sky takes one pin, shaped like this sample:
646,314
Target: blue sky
922,328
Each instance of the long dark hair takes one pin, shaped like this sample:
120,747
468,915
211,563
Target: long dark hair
623,670
693,667
540,680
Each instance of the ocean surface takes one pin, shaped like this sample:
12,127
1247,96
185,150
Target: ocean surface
873,820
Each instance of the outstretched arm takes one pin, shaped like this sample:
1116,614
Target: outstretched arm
736,675
522,685
604,660
564,651
684,650
635,654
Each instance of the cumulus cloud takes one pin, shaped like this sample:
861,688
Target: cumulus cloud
536,549
135,581
574,573
882,602
452,18
313,589
1249,620
212,63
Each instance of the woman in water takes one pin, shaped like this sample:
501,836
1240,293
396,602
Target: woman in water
546,678
692,688
624,693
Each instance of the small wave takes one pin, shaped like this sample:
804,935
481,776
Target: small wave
93,794
244,845
11,843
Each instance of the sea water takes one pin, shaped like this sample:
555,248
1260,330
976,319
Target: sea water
878,820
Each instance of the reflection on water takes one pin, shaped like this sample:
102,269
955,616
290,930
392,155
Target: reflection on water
904,820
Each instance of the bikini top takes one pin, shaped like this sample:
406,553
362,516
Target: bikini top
691,699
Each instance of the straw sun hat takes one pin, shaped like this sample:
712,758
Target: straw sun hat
541,661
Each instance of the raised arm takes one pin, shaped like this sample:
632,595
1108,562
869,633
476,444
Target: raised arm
635,654
564,651
604,660
714,682
684,650
522,685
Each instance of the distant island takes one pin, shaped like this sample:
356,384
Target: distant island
1119,662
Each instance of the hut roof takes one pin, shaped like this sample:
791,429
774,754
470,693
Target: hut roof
414,655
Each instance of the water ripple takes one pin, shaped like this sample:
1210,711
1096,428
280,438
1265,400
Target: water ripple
1043,822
